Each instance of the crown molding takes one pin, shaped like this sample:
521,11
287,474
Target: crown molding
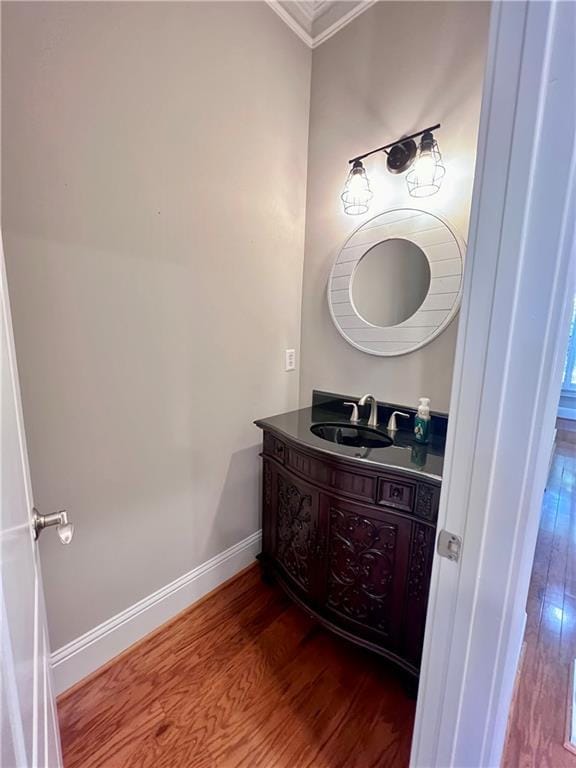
304,18
320,7
305,8
336,26
294,25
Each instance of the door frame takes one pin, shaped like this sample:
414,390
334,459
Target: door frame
513,329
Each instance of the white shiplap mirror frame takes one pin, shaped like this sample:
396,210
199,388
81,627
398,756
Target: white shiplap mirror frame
444,250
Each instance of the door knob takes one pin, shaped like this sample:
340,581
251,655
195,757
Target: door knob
64,528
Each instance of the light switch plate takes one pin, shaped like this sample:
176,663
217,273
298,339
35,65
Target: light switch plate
290,360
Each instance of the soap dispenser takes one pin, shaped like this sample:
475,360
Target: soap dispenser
422,421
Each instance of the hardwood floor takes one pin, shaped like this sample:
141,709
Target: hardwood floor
244,678
537,721
247,679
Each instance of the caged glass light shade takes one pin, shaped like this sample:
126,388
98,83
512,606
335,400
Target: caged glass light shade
357,193
428,171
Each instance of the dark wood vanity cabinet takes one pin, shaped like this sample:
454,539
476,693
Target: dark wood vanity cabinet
352,545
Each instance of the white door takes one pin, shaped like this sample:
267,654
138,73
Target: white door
29,737
512,333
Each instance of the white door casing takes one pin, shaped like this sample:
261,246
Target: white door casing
29,735
518,287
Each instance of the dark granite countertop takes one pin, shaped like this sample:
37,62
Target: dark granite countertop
405,454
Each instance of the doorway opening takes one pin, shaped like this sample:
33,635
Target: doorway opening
542,728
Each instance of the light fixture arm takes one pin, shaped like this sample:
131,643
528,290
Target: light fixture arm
393,143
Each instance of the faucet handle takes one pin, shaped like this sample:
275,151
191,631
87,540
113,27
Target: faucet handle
354,415
392,426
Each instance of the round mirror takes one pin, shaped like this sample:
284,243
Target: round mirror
396,282
390,282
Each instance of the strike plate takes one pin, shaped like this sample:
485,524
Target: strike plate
449,545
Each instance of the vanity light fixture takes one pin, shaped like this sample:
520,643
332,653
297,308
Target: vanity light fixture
426,176
357,193
423,180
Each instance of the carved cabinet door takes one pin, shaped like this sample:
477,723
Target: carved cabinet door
291,529
366,569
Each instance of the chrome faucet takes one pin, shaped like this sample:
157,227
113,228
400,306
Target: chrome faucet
373,418
392,426
354,418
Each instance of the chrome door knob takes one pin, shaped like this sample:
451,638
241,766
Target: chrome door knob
64,527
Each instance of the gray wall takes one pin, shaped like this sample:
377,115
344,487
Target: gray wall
397,68
154,192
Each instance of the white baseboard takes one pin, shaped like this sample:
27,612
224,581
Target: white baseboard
84,655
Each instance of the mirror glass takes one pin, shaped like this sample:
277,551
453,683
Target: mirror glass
390,282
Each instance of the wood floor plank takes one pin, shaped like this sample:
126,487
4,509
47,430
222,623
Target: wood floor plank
537,720
130,687
244,679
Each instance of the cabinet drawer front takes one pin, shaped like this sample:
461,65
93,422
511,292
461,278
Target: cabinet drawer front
361,487
274,447
308,466
353,484
396,494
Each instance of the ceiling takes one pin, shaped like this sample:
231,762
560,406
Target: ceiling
314,21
